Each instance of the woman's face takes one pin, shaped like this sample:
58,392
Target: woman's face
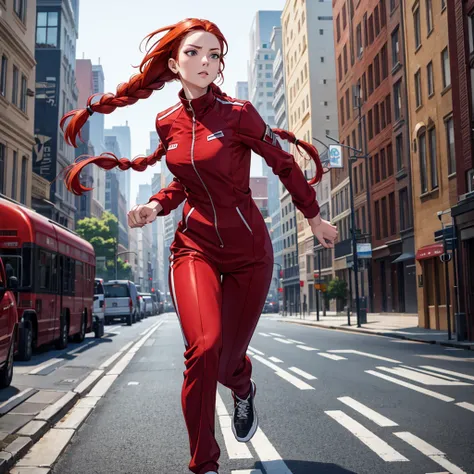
198,59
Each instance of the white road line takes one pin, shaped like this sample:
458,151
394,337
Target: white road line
110,360
250,353
445,377
466,405
45,365
269,457
367,412
276,334
296,342
256,351
276,359
307,348
285,375
152,327
80,348
235,450
449,372
372,441
425,391
446,357
247,471
434,454
302,373
366,354
264,334
285,341
331,356
421,378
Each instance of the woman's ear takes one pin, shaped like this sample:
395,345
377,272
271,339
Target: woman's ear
173,65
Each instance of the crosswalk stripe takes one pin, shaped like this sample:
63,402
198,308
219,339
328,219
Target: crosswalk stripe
264,334
372,441
366,354
256,350
466,405
425,391
367,412
449,372
421,378
285,341
269,457
296,342
235,450
276,359
247,471
276,334
428,450
429,373
332,356
307,348
303,373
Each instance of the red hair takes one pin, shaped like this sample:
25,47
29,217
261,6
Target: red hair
154,74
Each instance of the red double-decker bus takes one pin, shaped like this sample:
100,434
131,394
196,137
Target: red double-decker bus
55,270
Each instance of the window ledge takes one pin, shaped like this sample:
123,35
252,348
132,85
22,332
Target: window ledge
446,89
431,95
452,175
430,32
396,68
401,174
419,107
418,48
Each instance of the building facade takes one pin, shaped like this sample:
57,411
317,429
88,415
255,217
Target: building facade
242,90
17,84
461,150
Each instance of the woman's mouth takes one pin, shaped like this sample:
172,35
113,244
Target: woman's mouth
203,74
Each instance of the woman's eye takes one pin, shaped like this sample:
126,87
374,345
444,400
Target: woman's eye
191,51
215,56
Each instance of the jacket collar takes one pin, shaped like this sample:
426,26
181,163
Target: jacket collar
201,105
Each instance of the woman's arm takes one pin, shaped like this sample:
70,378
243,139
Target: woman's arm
170,197
255,133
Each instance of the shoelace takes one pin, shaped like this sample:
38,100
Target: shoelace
243,407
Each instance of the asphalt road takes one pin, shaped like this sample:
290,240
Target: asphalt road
320,410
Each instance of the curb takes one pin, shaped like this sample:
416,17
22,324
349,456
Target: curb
385,334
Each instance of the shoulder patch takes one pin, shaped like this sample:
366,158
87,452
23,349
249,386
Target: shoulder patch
270,136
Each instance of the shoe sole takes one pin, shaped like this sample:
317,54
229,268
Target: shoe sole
254,427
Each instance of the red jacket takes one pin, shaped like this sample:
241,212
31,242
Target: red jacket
208,144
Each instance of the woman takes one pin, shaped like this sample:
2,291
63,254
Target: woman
221,259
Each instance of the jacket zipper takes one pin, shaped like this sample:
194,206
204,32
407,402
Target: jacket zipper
244,221
199,176
186,219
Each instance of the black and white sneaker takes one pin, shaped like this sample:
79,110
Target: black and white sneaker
245,421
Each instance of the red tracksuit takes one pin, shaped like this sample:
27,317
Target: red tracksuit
221,257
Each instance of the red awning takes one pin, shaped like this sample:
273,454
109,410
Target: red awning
429,251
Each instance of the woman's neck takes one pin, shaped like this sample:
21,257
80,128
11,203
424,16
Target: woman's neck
193,92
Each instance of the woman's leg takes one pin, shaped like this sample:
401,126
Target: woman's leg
243,297
195,286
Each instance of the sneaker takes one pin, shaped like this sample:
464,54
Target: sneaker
245,421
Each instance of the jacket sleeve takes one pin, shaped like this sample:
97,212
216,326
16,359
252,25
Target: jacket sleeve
170,197
257,135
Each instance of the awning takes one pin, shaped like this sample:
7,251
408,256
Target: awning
429,251
403,257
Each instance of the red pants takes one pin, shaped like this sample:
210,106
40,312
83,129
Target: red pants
218,315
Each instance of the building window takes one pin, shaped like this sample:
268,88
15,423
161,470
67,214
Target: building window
371,79
384,217
371,169
382,115
19,6
344,55
376,21
3,76
376,120
419,99
377,71
384,61
377,220
395,48
321,32
377,168
388,109
47,30
417,26
3,155
389,160
24,179
344,17
348,105
371,130
433,161
449,124
423,164
405,219
359,40
23,97
366,31
430,78
397,100
338,27
399,151
14,173
383,163
16,74
393,219
446,69
429,16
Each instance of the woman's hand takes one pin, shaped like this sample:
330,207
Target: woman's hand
143,214
324,231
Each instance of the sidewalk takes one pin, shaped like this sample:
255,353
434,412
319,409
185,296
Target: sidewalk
399,325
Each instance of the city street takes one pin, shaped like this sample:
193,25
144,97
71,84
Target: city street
328,401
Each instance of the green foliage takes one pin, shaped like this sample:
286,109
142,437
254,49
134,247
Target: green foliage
337,289
101,234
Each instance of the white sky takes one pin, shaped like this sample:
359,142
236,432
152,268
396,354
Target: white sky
112,31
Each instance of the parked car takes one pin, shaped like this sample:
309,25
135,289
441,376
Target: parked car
121,301
142,305
149,304
270,307
98,310
8,324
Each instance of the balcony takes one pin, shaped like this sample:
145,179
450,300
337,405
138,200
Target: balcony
292,272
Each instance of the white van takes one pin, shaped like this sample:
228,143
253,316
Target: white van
121,301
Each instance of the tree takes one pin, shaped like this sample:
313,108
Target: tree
337,289
101,234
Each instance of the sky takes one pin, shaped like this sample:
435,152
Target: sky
110,32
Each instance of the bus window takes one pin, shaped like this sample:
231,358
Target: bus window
44,270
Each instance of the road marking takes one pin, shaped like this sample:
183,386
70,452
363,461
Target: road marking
366,354
285,375
425,391
434,454
446,357
269,457
466,405
421,378
331,356
276,334
114,328
133,383
303,373
372,441
429,373
367,412
45,365
276,359
110,360
296,342
247,471
80,348
285,341
449,372
235,450
264,334
152,327
454,349
256,351
403,341
307,348
250,352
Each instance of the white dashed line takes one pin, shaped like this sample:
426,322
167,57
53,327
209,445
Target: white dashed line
331,356
367,412
302,373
